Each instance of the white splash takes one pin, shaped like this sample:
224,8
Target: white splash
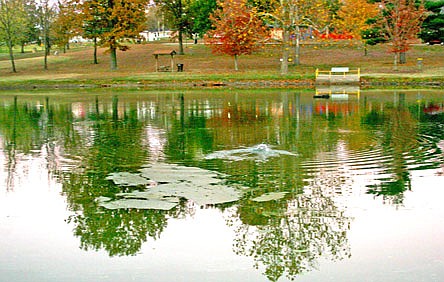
259,152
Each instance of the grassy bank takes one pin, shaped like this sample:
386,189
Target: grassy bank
202,68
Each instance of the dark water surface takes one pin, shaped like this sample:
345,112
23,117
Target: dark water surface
261,185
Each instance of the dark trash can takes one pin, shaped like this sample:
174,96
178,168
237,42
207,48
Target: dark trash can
180,67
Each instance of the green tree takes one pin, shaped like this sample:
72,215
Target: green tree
46,13
112,21
433,26
12,13
200,11
374,34
93,13
177,13
30,31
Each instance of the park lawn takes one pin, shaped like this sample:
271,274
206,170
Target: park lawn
138,65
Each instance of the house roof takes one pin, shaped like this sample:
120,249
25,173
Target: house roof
164,52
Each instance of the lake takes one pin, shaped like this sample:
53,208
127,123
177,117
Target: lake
222,185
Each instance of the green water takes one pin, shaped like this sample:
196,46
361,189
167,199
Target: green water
348,188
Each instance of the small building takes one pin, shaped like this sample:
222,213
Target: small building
164,53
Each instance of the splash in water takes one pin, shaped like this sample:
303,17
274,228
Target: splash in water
259,152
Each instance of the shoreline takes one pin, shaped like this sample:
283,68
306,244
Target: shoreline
366,82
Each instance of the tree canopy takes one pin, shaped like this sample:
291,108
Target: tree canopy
353,17
12,15
433,26
401,22
238,29
112,21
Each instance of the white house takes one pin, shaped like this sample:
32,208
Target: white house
155,35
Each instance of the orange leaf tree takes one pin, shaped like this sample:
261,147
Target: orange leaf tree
353,15
238,29
114,20
67,22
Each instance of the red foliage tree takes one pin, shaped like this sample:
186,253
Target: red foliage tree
238,30
401,22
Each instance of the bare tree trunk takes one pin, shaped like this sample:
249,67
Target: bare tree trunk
236,66
285,51
297,60
395,62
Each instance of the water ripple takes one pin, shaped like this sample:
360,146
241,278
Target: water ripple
411,153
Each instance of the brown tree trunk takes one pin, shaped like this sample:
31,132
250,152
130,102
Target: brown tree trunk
11,56
113,57
95,51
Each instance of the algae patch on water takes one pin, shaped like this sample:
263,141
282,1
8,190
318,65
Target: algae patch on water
154,202
127,179
165,184
270,196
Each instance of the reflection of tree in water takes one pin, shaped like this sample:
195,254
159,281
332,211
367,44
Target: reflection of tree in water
188,135
121,232
27,128
392,191
107,137
400,141
287,237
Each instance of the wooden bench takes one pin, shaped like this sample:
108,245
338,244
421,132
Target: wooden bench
164,68
339,70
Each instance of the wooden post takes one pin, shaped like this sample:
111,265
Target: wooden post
157,62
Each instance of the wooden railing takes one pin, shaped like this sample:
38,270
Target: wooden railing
339,71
